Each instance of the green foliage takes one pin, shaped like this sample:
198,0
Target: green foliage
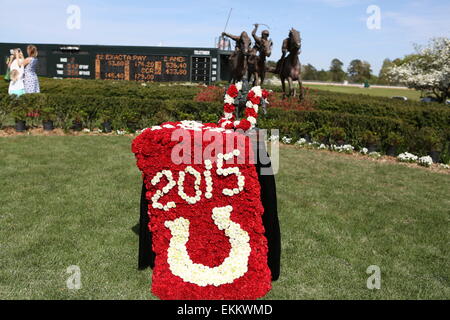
336,71
359,71
109,88
122,112
370,138
383,76
322,134
418,114
394,139
309,72
336,117
329,135
430,139
4,109
337,135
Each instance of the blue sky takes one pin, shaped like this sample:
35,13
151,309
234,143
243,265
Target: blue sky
329,28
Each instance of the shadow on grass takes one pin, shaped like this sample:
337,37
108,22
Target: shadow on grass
135,229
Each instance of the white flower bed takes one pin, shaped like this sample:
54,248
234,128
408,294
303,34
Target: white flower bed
346,148
426,161
120,132
286,140
407,157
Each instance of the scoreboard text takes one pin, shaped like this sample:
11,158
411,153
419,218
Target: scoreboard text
141,67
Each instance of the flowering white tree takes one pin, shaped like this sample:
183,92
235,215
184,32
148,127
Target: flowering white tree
428,70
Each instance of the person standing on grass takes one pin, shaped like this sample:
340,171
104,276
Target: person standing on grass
15,65
30,77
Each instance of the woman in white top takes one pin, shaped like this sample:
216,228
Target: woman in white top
16,86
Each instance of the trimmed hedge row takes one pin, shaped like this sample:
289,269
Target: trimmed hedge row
91,111
414,113
358,130
109,88
408,128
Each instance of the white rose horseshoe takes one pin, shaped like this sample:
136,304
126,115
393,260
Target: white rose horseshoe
232,268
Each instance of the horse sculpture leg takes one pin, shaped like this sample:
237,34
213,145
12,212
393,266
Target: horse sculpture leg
300,85
291,87
256,81
283,86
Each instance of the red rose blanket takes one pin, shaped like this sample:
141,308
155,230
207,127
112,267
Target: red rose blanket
205,212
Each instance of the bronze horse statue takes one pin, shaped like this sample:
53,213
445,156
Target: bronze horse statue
238,59
257,63
288,68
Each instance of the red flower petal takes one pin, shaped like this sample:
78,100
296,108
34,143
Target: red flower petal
232,91
229,108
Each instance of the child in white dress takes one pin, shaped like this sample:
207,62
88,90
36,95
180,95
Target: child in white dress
16,86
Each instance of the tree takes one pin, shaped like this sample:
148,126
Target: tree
428,70
336,72
383,76
309,72
323,75
359,71
406,59
271,66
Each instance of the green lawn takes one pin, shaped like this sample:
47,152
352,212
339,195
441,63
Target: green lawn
381,92
75,201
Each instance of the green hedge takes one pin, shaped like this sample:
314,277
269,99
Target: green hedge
358,130
356,119
109,88
91,111
414,113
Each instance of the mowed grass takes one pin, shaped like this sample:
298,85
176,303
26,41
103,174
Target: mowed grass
75,201
380,92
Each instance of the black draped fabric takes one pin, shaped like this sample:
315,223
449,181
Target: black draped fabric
270,218
146,254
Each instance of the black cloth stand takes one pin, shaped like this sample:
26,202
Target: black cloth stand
270,218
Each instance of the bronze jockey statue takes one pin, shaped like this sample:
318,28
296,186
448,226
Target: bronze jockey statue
238,59
285,48
289,67
257,63
242,42
258,40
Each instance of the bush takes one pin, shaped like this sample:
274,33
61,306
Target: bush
416,113
110,88
370,138
394,139
4,109
91,111
334,118
430,139
210,94
337,135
